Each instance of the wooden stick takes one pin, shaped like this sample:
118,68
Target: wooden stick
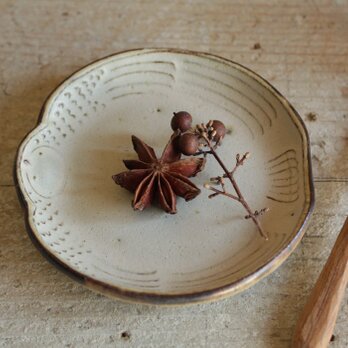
315,326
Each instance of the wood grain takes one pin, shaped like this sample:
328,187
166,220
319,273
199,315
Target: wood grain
316,324
303,52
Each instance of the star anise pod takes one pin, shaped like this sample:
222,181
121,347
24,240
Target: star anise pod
163,178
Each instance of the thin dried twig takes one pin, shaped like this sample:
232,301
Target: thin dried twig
207,133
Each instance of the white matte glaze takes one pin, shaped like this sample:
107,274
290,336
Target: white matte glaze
83,219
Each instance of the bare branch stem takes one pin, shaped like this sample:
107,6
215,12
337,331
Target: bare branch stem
229,175
218,192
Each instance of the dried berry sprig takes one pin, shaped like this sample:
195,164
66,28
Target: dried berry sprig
258,212
239,162
212,134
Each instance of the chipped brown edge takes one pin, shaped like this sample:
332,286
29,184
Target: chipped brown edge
184,298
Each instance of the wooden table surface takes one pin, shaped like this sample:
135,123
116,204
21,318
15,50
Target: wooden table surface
299,46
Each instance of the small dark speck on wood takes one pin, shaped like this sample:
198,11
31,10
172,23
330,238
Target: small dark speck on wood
65,14
332,339
4,90
257,46
125,335
312,116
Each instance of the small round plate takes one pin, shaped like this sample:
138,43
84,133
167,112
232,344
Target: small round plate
82,222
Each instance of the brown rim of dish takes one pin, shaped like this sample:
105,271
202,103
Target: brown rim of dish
184,298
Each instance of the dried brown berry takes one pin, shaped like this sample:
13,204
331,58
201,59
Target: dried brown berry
220,129
188,144
181,120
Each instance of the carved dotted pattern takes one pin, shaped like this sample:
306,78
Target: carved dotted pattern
66,116
70,111
55,234
67,113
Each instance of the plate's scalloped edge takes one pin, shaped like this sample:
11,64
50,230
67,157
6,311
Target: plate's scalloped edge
184,298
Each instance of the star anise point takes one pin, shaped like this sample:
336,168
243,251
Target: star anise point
163,178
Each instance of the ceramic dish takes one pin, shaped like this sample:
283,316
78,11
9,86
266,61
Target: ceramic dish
83,223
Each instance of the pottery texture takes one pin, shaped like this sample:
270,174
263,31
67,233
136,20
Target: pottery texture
83,222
